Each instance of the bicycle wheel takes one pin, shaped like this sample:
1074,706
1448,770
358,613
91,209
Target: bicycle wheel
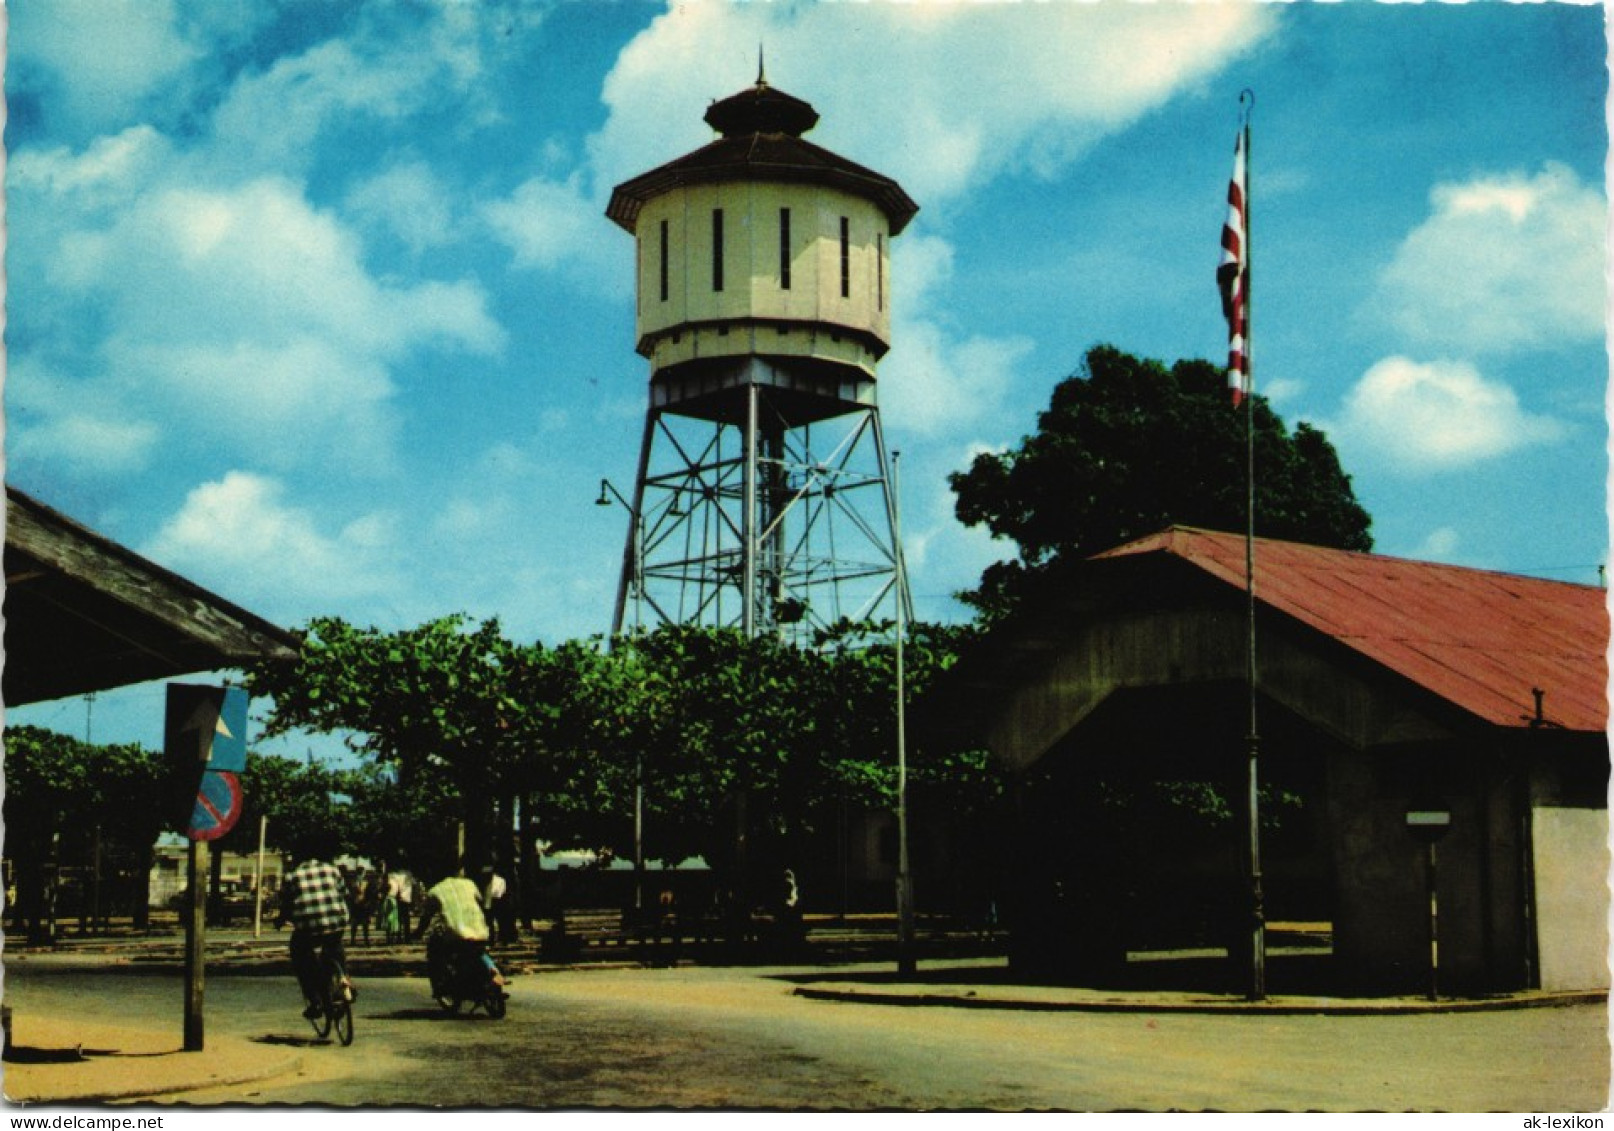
321,1021
342,1020
494,1003
340,1009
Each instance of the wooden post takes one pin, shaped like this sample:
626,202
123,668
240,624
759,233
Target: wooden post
1434,924
257,879
97,923
195,940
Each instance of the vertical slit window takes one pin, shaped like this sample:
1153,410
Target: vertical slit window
717,249
846,258
784,249
664,261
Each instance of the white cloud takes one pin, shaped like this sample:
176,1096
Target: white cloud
943,555
550,223
938,382
407,200
89,441
49,420
942,115
1439,545
1503,262
271,119
1283,391
1435,417
239,533
116,52
249,317
102,174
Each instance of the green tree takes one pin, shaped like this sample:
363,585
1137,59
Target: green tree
300,800
1127,447
63,797
438,697
741,746
750,748
133,804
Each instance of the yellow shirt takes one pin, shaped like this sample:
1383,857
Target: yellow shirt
459,908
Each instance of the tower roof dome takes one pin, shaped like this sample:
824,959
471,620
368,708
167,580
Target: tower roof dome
761,130
761,109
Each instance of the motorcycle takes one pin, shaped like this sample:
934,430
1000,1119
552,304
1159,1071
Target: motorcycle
463,971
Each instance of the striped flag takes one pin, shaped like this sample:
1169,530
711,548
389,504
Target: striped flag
1233,277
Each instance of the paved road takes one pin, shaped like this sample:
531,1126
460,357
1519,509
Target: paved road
738,1038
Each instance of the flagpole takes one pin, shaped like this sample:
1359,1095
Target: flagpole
1258,955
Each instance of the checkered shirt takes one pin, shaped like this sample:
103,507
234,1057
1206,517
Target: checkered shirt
316,898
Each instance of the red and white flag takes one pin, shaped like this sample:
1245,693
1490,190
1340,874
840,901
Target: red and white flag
1233,278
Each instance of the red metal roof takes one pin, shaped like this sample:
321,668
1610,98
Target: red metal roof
1479,639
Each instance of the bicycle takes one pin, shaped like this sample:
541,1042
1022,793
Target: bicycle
336,1003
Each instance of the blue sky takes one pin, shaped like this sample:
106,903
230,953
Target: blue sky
316,304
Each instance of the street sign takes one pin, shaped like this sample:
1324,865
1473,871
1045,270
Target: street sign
218,805
1428,823
207,727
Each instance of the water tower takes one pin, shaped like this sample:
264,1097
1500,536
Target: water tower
763,498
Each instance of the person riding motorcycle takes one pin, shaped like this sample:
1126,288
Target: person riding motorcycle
458,933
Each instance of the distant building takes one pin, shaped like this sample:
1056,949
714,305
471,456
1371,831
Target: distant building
238,874
1385,688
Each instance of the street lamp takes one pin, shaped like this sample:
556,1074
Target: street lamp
905,953
608,494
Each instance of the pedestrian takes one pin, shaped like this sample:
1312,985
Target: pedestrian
366,896
387,917
494,893
790,922
402,885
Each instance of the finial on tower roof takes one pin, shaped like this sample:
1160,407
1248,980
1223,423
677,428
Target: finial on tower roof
762,79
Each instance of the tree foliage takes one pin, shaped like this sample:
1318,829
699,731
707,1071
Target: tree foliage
1128,447
736,746
63,796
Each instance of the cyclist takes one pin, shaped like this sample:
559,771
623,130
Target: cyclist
314,899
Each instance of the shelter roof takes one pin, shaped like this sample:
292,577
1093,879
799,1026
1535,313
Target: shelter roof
1481,640
83,613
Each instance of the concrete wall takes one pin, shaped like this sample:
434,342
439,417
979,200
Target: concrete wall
1571,860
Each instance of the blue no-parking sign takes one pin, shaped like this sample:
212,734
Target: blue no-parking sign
218,805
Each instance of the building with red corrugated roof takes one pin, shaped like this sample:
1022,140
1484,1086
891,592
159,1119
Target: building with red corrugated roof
1383,686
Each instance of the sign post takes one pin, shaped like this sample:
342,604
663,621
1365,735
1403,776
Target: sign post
1428,823
205,739
195,940
257,879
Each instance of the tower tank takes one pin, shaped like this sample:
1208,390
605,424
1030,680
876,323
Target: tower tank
763,263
